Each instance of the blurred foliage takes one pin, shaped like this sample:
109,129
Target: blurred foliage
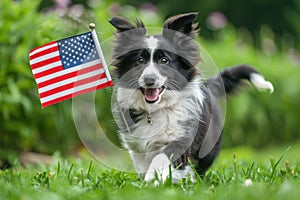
281,16
24,125
253,118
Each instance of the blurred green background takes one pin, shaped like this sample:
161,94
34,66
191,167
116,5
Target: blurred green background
263,33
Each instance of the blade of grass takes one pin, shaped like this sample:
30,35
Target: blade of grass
235,166
198,178
90,169
82,178
58,169
277,163
70,170
170,175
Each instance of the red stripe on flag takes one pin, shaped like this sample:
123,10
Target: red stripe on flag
70,75
49,71
48,103
72,85
49,43
44,52
110,83
45,62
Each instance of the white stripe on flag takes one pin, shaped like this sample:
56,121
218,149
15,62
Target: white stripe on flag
73,90
46,67
66,71
71,80
42,48
43,58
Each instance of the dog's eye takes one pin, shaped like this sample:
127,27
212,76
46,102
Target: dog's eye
140,60
164,61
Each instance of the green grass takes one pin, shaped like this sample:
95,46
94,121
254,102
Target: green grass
272,177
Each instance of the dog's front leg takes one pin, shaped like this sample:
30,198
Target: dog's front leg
160,166
176,152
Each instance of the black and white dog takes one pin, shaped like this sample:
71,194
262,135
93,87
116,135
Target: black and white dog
166,112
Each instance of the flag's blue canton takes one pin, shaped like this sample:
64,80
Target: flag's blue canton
77,50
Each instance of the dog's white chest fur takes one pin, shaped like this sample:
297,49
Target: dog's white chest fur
163,128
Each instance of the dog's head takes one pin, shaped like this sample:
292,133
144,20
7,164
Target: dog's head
155,64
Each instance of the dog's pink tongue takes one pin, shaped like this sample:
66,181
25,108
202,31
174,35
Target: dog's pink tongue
151,94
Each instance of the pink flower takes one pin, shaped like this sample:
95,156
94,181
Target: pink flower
216,20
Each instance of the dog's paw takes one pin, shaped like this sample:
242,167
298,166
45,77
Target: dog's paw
186,173
159,166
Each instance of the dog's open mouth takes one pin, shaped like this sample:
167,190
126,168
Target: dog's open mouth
152,95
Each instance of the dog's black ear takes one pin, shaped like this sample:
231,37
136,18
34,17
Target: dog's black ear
122,24
183,23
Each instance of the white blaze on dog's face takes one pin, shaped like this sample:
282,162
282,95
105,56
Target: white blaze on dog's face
151,81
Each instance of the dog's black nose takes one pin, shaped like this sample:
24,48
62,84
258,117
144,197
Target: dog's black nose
149,80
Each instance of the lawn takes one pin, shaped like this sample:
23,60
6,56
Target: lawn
239,173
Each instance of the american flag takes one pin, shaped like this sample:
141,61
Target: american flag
68,67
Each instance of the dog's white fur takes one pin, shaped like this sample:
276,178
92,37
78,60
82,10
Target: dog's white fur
152,44
260,83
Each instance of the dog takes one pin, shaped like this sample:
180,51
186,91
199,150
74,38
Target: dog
169,117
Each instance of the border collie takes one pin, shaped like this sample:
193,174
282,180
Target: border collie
168,115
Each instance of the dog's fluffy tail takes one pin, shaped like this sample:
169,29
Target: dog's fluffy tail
228,80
